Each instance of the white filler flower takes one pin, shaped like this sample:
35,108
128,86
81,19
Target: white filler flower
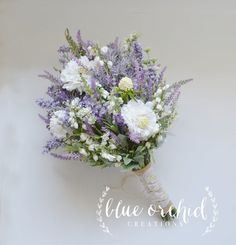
125,84
104,50
140,119
56,124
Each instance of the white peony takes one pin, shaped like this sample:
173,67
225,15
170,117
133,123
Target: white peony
56,124
140,119
71,76
126,84
74,72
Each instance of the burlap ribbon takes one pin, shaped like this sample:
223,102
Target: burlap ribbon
153,188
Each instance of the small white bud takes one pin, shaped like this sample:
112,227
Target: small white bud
76,125
159,107
158,100
105,93
83,137
160,138
95,158
166,86
118,158
83,152
104,50
109,63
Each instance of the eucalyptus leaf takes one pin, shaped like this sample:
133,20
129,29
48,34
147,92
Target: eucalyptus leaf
139,159
127,160
123,139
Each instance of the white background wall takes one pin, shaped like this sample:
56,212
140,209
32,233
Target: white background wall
47,201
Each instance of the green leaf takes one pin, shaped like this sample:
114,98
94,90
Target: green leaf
140,149
71,148
127,160
123,139
140,160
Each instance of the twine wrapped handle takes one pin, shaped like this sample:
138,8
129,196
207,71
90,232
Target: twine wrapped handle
155,193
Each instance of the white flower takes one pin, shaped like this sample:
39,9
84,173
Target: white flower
125,83
56,124
108,156
159,107
166,86
92,147
83,152
104,93
75,72
109,63
85,62
140,119
101,62
75,103
71,76
95,158
158,92
104,50
112,146
90,64
83,136
119,158
105,138
97,62
150,104
72,120
158,100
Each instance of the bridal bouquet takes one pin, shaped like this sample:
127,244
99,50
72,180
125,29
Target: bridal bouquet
110,106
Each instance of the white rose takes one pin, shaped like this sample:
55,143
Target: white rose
125,83
140,119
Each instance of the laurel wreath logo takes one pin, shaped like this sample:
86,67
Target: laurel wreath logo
215,212
99,211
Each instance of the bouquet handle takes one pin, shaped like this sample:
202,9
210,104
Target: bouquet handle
156,193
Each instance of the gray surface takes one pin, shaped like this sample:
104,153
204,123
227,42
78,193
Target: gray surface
45,201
